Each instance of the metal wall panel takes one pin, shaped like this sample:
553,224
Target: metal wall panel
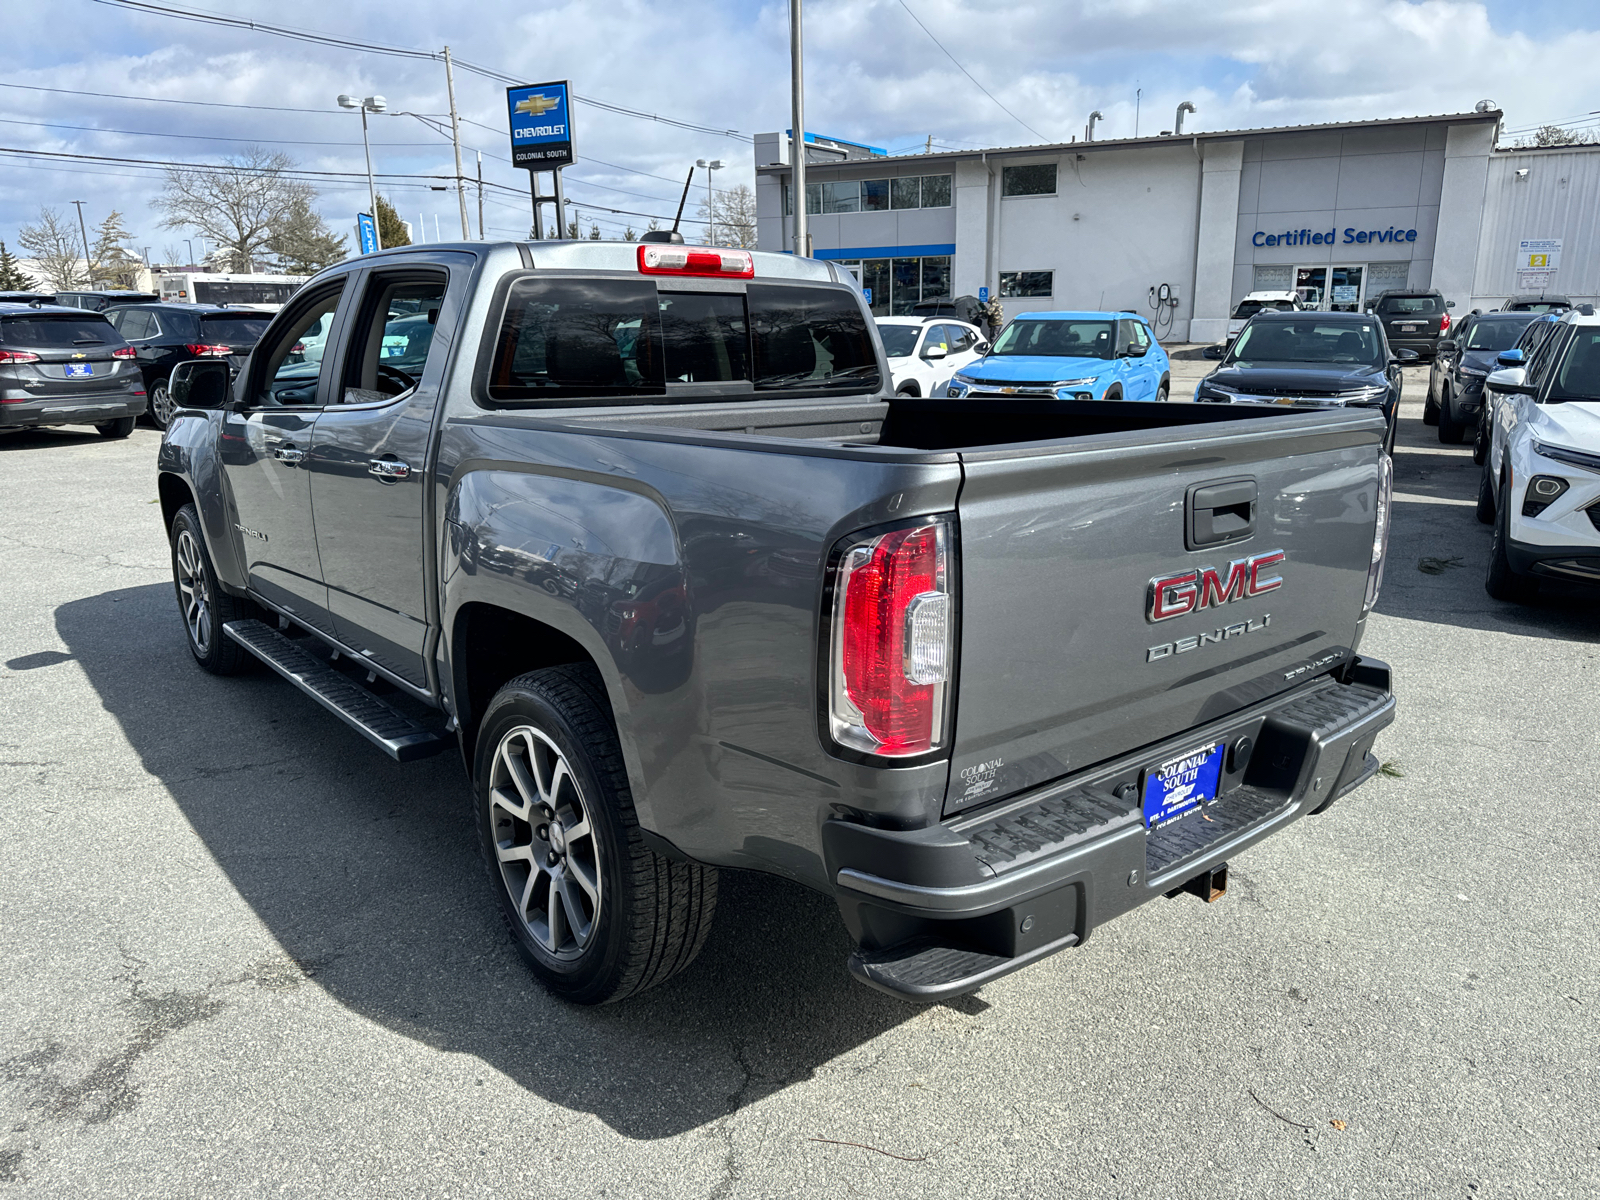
1558,198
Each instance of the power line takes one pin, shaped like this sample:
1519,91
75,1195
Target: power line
203,137
322,39
963,70
165,100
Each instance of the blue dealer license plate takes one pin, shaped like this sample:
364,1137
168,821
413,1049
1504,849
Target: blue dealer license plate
79,370
1181,785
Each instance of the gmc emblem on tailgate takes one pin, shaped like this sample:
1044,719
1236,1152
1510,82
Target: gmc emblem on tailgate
1205,587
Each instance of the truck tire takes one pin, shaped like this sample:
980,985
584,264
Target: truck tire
1501,580
203,605
1451,431
116,430
597,915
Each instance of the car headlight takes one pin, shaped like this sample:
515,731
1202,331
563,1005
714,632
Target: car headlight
1362,397
1472,374
963,380
1215,392
1573,458
1073,383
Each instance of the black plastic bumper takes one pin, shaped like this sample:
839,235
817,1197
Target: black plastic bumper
939,912
1580,564
93,409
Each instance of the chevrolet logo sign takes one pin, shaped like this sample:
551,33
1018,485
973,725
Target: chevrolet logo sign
536,106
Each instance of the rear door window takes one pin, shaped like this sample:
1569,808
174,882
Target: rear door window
133,324
233,329
56,332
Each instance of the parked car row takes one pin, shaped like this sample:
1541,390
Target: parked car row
1539,443
65,366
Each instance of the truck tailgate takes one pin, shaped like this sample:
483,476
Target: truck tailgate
1061,662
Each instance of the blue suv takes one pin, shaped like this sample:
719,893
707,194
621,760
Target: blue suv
1070,356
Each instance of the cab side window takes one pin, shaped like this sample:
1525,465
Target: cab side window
288,378
388,346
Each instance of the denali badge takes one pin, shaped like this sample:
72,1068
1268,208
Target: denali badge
255,533
1194,591
1184,645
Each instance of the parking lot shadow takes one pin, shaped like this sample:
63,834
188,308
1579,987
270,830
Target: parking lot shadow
367,874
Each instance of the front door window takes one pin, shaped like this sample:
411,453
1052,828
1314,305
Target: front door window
1311,283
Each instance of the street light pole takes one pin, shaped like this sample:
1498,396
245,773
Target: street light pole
797,136
711,207
88,259
375,104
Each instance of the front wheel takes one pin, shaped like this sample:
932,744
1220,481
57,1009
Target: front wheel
1480,442
205,607
1162,395
1502,581
596,914
161,406
1430,406
1485,499
116,430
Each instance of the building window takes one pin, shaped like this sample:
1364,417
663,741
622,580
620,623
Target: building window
1027,283
936,191
1035,179
907,193
899,283
842,196
873,195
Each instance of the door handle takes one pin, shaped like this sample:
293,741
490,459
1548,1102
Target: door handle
1219,513
288,454
388,468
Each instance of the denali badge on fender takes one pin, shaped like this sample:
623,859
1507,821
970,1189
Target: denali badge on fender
1194,591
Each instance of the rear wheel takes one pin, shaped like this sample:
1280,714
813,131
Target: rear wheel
120,428
909,389
1502,580
1162,392
1451,431
161,406
1430,406
205,607
595,913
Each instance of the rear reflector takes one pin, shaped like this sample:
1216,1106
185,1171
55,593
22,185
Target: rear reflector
124,352
203,350
14,356
892,643
657,259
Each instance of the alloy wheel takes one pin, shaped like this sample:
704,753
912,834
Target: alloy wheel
194,591
545,843
161,406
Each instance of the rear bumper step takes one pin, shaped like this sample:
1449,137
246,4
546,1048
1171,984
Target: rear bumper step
939,912
392,731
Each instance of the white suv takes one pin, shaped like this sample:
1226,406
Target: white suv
1258,302
1541,475
924,352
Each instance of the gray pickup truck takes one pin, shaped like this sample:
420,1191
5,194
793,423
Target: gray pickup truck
643,532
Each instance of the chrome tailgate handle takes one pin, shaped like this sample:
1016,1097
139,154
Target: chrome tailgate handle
388,468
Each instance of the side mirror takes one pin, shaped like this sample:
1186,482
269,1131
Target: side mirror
935,351
1508,380
1449,303
1448,344
1510,358
1137,351
982,347
1213,352
1404,356
200,383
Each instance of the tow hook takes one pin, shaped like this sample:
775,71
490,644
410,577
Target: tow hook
1210,886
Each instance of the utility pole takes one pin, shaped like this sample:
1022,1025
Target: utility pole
455,137
480,196
88,258
797,136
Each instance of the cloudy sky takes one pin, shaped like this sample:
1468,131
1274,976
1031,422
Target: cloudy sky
873,74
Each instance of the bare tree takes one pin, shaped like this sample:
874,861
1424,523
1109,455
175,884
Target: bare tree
733,212
173,253
237,206
114,263
56,244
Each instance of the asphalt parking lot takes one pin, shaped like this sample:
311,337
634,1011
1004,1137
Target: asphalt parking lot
242,954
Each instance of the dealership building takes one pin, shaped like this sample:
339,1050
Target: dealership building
1181,227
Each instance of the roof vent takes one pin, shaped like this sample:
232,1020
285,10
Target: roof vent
1485,106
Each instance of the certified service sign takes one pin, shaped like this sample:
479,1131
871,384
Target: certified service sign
541,127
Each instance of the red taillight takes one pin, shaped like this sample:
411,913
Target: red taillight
14,356
203,350
298,348
124,352
893,641
664,259
1444,323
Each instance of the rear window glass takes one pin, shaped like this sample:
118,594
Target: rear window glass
619,339
1494,335
56,333
1425,306
234,330
1249,308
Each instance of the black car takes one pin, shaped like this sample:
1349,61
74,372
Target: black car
1463,361
100,301
1537,304
64,366
1310,359
1413,319
164,335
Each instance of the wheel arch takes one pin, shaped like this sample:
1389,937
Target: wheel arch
174,492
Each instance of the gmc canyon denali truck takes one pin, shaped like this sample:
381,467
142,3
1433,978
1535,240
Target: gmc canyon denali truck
644,532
